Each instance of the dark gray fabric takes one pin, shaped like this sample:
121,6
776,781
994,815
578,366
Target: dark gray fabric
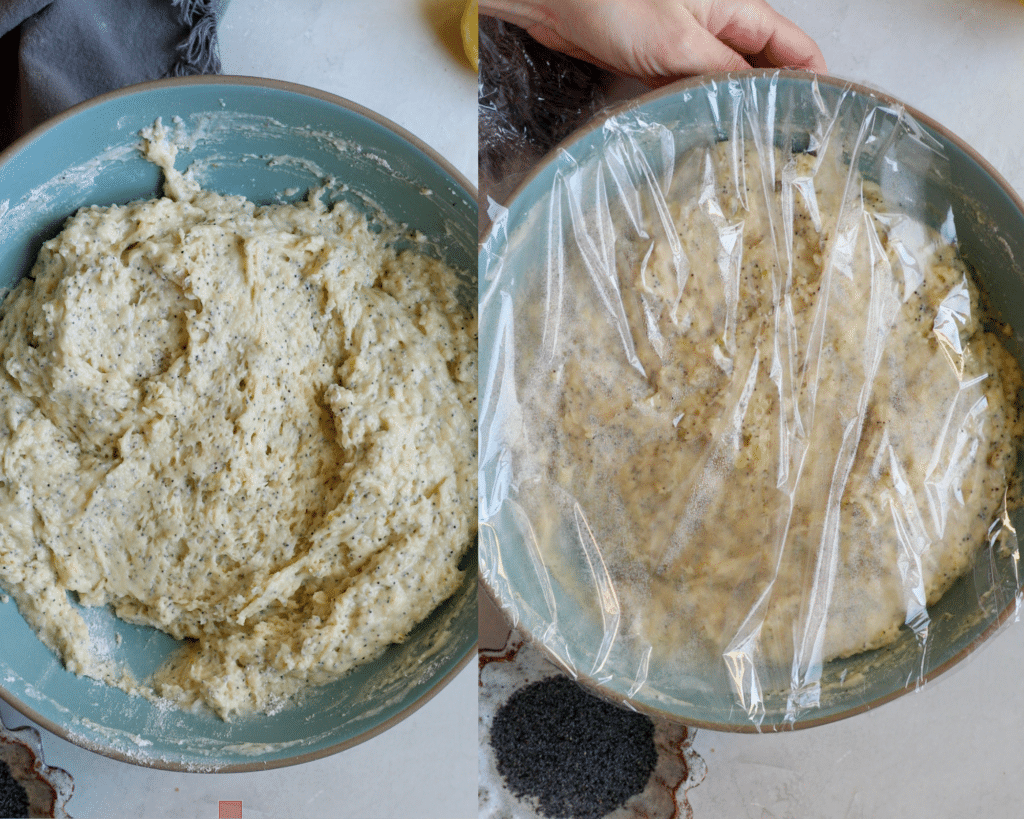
72,50
13,12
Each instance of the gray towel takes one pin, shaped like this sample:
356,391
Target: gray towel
72,50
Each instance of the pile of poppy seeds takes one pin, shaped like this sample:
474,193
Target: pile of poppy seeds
576,755
13,799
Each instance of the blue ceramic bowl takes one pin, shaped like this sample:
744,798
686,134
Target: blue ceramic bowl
937,177
270,141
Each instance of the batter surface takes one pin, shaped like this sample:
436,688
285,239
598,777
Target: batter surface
781,422
253,428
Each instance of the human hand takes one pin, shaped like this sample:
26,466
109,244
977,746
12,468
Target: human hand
658,41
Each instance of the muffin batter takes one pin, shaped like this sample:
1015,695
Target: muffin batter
251,427
777,431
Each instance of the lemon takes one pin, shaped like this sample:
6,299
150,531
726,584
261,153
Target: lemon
471,33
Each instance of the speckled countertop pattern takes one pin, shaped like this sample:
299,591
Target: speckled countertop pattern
953,747
388,56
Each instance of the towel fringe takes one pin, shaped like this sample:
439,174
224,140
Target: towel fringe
198,52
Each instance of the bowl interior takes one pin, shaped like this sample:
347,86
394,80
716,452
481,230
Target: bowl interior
270,142
921,167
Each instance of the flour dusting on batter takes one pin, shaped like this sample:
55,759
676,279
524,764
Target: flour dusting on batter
253,428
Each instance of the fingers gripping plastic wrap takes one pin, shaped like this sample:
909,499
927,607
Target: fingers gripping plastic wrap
749,403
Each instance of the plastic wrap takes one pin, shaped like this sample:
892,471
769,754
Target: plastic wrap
530,98
749,421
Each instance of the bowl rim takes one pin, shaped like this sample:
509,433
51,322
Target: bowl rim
461,181
241,80
691,83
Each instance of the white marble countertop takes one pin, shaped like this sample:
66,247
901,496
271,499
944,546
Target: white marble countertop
396,57
958,63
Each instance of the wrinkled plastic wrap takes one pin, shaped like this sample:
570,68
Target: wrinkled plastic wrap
749,404
529,99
